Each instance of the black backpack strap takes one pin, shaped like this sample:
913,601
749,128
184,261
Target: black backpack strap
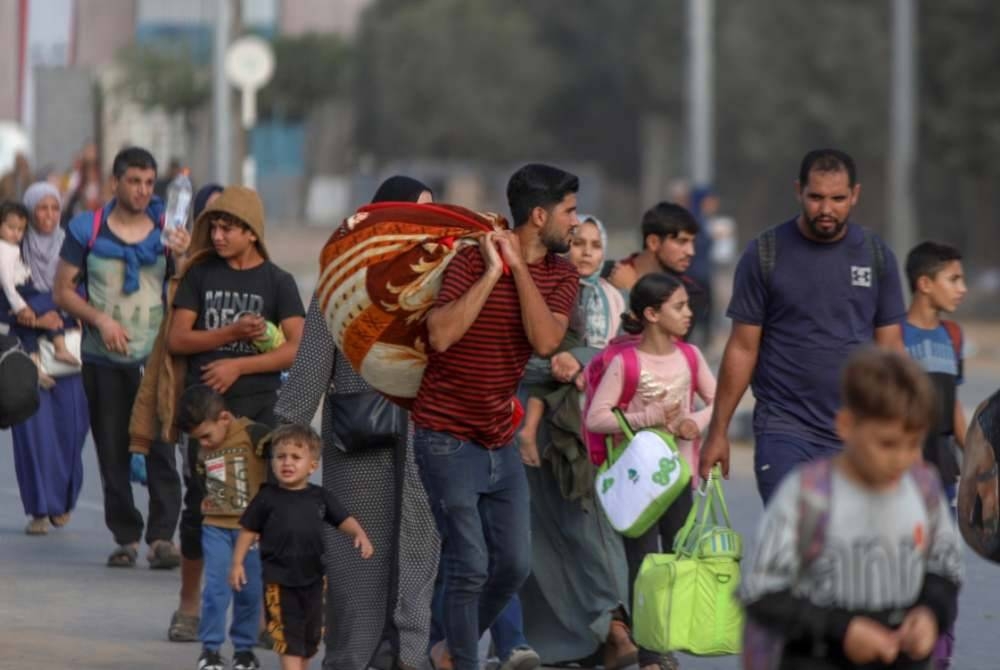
878,253
767,253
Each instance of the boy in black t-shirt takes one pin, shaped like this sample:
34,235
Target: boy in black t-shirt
289,518
237,319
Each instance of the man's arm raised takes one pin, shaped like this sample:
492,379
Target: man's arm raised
449,323
545,330
738,363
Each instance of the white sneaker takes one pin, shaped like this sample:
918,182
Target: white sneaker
522,658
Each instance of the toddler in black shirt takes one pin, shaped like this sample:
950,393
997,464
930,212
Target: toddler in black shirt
288,519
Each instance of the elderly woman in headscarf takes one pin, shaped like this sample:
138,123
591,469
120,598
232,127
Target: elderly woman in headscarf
48,446
573,610
378,610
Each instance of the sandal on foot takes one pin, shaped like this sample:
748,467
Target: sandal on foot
59,520
183,627
163,555
39,525
123,557
620,651
666,662
441,657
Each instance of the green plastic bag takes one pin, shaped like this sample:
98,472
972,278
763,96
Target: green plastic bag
641,478
686,601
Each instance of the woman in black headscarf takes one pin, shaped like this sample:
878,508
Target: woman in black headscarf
403,189
378,610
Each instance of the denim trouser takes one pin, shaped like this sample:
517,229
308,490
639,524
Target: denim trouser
218,545
777,454
480,501
507,630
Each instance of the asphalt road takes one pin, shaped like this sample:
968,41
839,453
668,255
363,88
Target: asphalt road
60,607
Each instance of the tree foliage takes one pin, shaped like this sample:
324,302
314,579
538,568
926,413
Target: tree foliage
509,80
164,76
309,70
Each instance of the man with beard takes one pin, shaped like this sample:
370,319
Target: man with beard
117,254
668,235
805,294
497,305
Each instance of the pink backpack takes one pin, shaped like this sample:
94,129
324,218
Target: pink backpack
623,346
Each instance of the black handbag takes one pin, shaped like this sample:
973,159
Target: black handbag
366,420
19,399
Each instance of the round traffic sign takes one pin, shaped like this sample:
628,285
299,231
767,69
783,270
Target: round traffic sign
249,62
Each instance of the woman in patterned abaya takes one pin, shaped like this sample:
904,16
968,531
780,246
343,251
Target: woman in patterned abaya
377,610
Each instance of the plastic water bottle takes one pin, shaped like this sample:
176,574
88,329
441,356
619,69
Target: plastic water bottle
179,195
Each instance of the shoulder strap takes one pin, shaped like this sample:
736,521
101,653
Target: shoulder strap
878,253
691,356
814,509
630,376
955,335
767,248
95,229
929,485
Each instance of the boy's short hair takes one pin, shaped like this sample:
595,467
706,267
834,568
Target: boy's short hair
537,185
927,259
295,432
667,219
12,208
198,404
132,157
878,384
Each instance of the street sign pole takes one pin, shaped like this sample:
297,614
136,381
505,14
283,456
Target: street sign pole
249,67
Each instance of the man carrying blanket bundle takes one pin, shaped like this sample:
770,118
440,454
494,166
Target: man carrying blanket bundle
484,326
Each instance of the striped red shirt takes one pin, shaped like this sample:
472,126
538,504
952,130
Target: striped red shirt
467,390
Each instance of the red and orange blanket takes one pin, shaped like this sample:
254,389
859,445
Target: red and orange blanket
380,272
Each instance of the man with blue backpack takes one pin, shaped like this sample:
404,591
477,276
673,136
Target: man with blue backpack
805,295
115,254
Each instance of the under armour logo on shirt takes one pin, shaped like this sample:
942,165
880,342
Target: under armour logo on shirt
861,276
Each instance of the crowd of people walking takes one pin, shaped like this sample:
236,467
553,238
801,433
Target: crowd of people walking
468,518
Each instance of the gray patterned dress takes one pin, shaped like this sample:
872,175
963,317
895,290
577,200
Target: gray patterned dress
361,592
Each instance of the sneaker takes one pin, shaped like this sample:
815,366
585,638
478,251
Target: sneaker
522,658
245,660
210,660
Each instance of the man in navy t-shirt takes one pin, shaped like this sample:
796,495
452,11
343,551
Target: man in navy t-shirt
804,296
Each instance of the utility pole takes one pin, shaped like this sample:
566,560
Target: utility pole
903,127
700,85
222,114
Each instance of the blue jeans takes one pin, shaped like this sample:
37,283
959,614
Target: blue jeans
777,454
480,501
217,545
507,630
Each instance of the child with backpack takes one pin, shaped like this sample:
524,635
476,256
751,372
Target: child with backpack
658,392
857,561
938,285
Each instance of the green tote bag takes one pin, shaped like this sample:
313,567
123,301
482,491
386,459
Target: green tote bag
686,601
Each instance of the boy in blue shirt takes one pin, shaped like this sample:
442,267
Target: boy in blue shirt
936,279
